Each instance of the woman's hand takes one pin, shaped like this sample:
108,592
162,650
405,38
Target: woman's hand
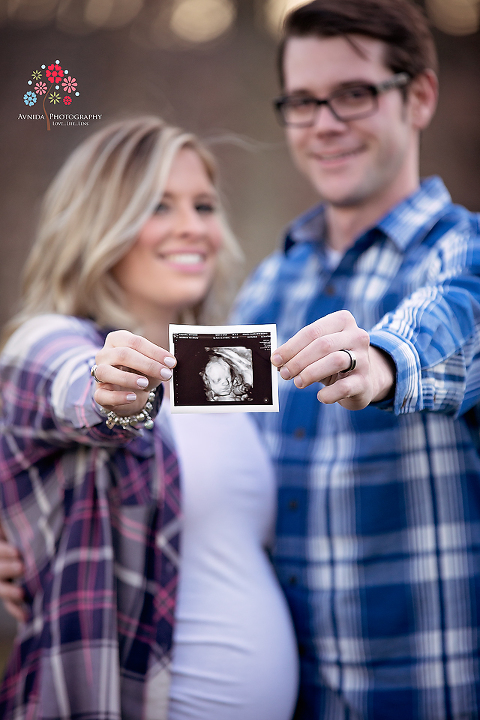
128,367
11,568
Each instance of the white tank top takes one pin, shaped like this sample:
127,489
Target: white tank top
234,655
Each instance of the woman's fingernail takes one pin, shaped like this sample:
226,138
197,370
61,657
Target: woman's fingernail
131,397
166,374
285,373
170,362
277,360
142,382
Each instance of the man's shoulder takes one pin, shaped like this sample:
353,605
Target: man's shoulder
426,216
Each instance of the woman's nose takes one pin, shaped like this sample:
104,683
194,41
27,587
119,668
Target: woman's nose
189,222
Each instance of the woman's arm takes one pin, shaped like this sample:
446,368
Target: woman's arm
51,401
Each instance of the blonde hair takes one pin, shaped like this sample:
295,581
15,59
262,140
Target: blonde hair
91,216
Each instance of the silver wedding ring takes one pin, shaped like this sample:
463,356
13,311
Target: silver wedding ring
353,361
93,373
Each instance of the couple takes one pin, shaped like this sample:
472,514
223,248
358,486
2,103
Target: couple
375,295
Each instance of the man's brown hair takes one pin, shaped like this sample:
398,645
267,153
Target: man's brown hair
400,24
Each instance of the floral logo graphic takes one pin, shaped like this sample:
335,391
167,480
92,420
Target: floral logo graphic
51,78
69,84
30,98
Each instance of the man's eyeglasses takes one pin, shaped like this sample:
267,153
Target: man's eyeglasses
352,103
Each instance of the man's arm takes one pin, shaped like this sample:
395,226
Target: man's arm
424,356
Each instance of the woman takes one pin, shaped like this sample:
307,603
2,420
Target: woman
133,237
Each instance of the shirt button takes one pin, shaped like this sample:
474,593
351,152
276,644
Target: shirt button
299,433
292,580
292,504
329,290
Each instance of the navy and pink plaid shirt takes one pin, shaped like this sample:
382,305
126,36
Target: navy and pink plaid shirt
95,513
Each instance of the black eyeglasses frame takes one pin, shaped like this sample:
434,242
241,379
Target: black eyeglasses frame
398,80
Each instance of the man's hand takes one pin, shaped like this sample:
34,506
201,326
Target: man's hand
315,354
11,568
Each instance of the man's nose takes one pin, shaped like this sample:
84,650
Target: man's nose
325,120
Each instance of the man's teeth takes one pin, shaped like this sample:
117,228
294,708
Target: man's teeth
338,155
185,258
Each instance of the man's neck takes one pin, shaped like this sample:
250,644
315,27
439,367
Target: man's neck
346,224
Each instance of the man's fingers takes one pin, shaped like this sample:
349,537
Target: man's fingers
330,324
10,591
325,370
7,551
10,569
15,610
324,353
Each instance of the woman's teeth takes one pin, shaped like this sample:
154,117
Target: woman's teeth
185,258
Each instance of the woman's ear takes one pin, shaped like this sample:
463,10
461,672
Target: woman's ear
423,95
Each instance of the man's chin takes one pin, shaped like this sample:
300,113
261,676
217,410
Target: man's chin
343,200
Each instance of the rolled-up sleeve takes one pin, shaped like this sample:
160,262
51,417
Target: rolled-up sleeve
433,336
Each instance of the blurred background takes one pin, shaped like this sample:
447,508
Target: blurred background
209,66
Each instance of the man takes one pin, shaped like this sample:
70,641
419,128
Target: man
375,295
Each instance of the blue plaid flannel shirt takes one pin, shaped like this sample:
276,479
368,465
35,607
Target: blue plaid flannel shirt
378,530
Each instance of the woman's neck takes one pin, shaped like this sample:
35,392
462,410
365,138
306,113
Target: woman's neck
156,333
154,326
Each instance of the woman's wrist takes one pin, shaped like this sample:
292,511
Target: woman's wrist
142,417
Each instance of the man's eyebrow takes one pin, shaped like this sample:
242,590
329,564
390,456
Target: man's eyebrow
301,92
354,83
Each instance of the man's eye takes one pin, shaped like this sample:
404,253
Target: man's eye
300,102
355,93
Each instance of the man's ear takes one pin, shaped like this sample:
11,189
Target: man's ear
423,95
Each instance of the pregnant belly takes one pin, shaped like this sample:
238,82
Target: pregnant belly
234,651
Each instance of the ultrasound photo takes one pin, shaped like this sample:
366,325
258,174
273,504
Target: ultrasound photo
223,368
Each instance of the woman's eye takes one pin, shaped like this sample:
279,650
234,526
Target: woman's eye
205,208
161,208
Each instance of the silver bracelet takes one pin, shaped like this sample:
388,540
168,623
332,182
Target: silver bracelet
143,417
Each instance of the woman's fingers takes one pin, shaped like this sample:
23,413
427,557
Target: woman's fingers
130,370
122,339
111,396
132,362
127,368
